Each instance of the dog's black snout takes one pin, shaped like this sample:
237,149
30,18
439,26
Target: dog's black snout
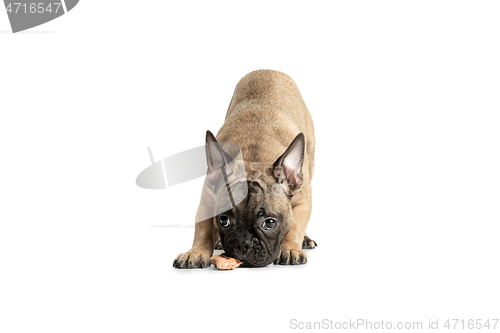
241,246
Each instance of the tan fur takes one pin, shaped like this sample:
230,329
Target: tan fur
265,114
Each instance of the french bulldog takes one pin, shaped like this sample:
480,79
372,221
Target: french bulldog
269,122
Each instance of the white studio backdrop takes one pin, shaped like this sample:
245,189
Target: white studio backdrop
405,101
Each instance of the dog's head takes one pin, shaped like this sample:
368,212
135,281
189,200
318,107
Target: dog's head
253,229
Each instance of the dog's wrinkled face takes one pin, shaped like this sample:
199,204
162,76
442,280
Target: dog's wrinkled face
253,230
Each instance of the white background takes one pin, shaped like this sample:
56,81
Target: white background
405,100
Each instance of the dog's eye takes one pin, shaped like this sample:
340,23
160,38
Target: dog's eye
269,224
224,221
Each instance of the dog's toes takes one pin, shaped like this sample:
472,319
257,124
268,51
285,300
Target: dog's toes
194,258
180,260
285,258
291,256
308,243
303,259
277,260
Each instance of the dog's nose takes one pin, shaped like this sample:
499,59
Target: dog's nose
241,247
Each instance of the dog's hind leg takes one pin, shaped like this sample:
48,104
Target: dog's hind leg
308,243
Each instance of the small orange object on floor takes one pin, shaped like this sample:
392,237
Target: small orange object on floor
224,262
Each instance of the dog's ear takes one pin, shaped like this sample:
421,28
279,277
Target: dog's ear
288,167
216,156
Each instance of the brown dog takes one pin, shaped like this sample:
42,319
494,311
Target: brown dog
270,123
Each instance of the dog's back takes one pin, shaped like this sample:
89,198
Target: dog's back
264,116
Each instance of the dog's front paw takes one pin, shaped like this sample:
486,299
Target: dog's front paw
197,257
291,255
